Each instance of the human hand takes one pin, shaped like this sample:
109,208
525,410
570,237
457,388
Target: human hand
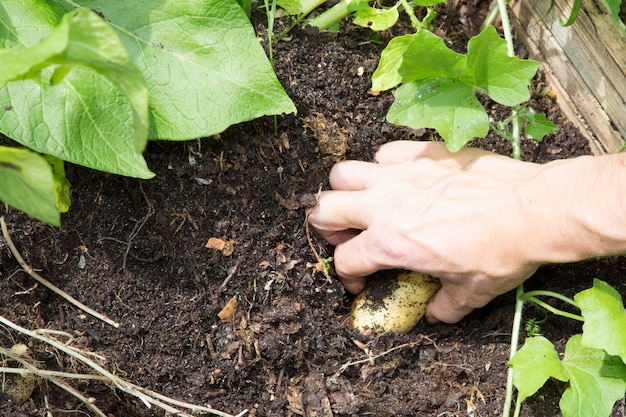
453,216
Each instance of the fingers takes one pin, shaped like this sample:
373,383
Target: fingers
353,175
404,150
410,151
338,237
339,211
354,260
353,285
358,175
444,308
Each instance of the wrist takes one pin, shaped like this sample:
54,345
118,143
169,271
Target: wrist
573,209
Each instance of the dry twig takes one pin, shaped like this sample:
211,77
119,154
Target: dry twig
30,271
370,357
148,397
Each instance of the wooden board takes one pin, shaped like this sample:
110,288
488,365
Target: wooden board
585,65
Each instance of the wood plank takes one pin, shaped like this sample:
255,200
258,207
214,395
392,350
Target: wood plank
585,64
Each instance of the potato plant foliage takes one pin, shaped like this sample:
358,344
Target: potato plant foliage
90,82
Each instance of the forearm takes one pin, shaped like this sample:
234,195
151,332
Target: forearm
575,209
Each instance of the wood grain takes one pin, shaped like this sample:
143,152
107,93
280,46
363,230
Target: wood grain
585,65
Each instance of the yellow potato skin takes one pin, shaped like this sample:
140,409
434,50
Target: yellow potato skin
393,302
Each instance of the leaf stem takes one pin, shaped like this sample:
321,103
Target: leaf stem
270,10
555,310
491,17
409,10
546,293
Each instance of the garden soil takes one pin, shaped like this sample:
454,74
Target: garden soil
223,224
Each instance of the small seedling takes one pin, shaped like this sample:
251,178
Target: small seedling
326,262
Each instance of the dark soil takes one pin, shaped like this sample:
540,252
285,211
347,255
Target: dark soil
135,250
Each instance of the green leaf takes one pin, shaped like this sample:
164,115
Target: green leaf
505,79
605,318
427,56
443,104
538,126
573,15
533,364
61,185
425,3
376,19
597,380
205,67
203,64
614,8
294,7
26,183
355,5
97,115
386,75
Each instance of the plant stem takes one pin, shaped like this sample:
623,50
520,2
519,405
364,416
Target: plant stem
555,310
293,24
545,293
310,6
331,16
517,325
271,14
516,142
491,17
519,293
508,36
409,10
506,26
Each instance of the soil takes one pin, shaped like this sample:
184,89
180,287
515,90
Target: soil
135,250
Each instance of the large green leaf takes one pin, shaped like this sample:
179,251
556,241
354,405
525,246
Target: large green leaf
386,75
427,57
94,115
443,104
597,380
489,67
605,318
440,84
26,183
534,364
204,65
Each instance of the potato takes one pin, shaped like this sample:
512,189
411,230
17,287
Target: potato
393,301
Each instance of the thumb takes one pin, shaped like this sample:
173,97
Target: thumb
445,308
